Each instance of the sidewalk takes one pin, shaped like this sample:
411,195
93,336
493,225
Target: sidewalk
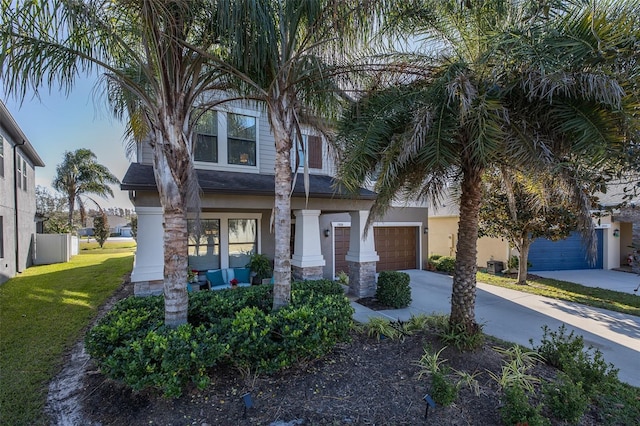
516,317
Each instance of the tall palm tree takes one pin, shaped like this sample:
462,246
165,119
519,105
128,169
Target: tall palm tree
289,55
142,48
80,174
517,84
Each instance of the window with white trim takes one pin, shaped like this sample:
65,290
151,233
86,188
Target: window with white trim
312,147
243,239
204,244
226,138
206,138
24,174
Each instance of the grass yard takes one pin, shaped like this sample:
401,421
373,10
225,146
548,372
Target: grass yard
571,292
43,312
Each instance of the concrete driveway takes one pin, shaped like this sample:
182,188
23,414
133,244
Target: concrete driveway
517,317
624,282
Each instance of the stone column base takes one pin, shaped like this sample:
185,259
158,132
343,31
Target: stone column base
362,278
306,273
148,288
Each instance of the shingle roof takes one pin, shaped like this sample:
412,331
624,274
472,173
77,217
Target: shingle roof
139,177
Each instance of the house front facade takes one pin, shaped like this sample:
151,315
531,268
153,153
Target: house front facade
234,154
18,160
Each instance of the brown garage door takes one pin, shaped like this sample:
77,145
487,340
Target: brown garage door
396,247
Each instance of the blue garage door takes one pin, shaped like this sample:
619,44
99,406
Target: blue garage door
570,253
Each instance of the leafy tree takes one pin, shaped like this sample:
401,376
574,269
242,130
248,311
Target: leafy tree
53,209
80,174
541,86
520,209
152,75
101,228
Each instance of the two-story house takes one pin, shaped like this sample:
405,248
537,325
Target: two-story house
18,160
235,157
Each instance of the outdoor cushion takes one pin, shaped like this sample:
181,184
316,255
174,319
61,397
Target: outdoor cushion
215,277
227,275
242,274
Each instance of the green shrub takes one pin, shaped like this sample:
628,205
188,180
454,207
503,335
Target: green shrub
166,359
442,263
130,319
235,327
567,353
566,398
444,391
393,289
461,337
517,409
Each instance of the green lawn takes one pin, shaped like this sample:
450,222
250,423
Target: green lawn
562,290
43,312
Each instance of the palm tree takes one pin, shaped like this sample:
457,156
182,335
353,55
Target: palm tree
285,55
80,174
141,47
516,84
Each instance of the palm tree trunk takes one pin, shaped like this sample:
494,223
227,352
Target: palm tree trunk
170,174
176,299
71,201
282,258
463,296
522,263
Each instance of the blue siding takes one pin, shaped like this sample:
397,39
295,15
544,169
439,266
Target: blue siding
567,254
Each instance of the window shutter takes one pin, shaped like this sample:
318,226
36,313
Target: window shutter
314,149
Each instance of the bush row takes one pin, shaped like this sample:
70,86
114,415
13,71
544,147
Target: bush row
232,327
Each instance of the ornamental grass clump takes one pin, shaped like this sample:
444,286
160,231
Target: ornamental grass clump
227,327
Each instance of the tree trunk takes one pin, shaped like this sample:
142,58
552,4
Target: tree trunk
282,259
463,296
171,169
523,261
71,201
176,299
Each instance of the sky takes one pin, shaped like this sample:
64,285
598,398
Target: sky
56,123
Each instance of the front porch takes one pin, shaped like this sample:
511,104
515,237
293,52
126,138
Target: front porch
226,239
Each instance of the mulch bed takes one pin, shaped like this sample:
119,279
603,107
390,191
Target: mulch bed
361,382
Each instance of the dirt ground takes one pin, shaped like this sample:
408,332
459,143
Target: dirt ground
362,382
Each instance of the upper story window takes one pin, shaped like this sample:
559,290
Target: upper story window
241,131
1,156
24,174
225,136
312,147
206,138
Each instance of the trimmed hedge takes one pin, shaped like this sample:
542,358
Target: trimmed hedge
233,327
393,289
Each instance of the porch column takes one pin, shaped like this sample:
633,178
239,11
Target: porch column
147,275
361,257
307,260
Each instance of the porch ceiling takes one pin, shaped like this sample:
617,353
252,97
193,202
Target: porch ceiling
140,177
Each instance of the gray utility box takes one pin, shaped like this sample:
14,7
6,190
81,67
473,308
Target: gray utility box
495,267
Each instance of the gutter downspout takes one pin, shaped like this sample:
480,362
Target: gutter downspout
15,201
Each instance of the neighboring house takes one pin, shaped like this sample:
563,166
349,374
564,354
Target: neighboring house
18,160
235,158
614,232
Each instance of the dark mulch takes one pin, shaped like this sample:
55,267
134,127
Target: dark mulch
362,382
